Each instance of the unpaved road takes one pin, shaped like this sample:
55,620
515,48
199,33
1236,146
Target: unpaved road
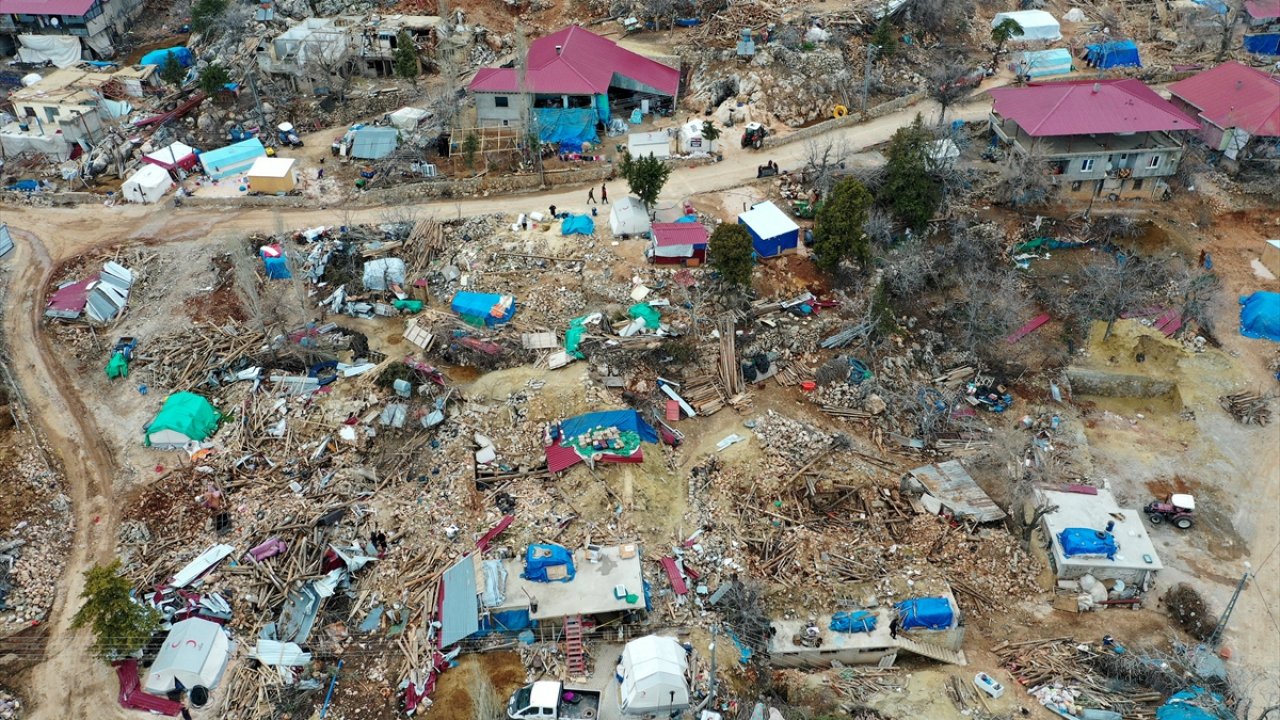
69,683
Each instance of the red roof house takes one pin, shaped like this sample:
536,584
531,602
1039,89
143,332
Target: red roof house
1231,99
1263,9
1089,108
574,61
678,242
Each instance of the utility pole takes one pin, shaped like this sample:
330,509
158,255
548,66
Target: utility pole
866,74
715,630
1216,638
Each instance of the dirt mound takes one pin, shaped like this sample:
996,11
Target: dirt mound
1190,611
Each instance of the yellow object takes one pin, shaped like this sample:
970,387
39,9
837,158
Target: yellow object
273,175
839,111
271,152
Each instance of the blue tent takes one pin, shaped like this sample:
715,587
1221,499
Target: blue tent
1042,63
1120,53
487,308
539,558
624,420
1263,44
277,268
933,613
160,57
1260,316
232,159
1217,6
1194,703
858,621
772,232
577,225
1085,541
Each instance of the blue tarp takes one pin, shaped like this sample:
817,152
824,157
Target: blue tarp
159,57
232,159
687,219
567,127
491,308
577,225
1121,53
1194,703
538,558
277,268
1263,44
372,143
506,621
859,621
1260,316
1086,541
1217,6
624,420
933,613
602,109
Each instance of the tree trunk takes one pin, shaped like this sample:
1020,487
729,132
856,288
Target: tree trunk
1111,323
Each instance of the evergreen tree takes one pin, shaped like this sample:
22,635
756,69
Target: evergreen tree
730,252
883,38
406,58
213,78
172,71
837,230
645,176
909,190
120,624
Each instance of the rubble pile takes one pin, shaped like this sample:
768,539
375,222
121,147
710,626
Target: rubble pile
33,552
10,706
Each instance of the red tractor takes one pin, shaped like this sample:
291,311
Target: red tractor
1179,509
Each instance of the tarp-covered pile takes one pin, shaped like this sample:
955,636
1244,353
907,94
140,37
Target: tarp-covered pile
1194,703
570,128
606,436
1087,542
577,225
548,563
484,308
1260,316
184,418
853,622
1120,53
931,613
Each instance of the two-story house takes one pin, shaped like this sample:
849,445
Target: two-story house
54,30
1111,138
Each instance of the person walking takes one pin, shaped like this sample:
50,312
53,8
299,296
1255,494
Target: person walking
893,627
604,194
591,196
553,212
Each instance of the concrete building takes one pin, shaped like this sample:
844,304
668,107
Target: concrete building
1125,551
573,69
321,52
1112,139
64,31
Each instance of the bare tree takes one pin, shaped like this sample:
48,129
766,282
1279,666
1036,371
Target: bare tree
1024,180
990,308
1115,283
823,160
879,226
941,18
948,83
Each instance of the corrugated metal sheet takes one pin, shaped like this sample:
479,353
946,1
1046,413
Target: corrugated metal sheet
668,234
952,485
6,240
1233,95
46,7
1089,107
459,606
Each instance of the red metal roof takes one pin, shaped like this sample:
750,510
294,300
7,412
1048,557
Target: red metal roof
1234,96
560,458
585,64
673,574
1086,108
45,7
1259,9
669,234
73,297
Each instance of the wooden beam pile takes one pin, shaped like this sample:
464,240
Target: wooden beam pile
1059,660
730,371
858,684
703,393
1247,408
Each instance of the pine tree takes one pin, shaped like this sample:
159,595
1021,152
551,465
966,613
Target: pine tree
406,58
120,624
909,190
837,230
645,176
172,71
213,78
729,251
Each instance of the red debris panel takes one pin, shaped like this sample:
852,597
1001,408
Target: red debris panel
1170,322
186,107
133,697
673,573
497,530
1029,328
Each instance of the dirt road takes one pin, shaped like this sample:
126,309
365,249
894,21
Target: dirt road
54,405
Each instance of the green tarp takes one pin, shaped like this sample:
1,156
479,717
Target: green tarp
118,367
573,336
187,414
652,318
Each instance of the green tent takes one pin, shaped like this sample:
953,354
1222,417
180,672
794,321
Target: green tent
185,417
118,367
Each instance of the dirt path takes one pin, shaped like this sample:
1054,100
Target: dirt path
51,397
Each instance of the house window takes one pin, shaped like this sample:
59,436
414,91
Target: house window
1153,162
1086,165
501,101
1137,184
51,114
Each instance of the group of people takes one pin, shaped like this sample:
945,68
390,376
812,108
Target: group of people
591,198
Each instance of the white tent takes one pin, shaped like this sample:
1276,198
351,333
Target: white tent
691,140
1035,24
195,653
409,118
653,676
657,144
147,185
628,217
942,154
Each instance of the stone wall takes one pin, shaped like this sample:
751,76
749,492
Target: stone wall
43,199
498,184
239,201
847,121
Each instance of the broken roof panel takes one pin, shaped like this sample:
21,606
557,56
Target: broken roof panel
201,565
459,605
69,300
952,485
1089,107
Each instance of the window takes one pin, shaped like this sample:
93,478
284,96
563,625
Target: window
1137,184
501,101
1086,165
1153,162
51,113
